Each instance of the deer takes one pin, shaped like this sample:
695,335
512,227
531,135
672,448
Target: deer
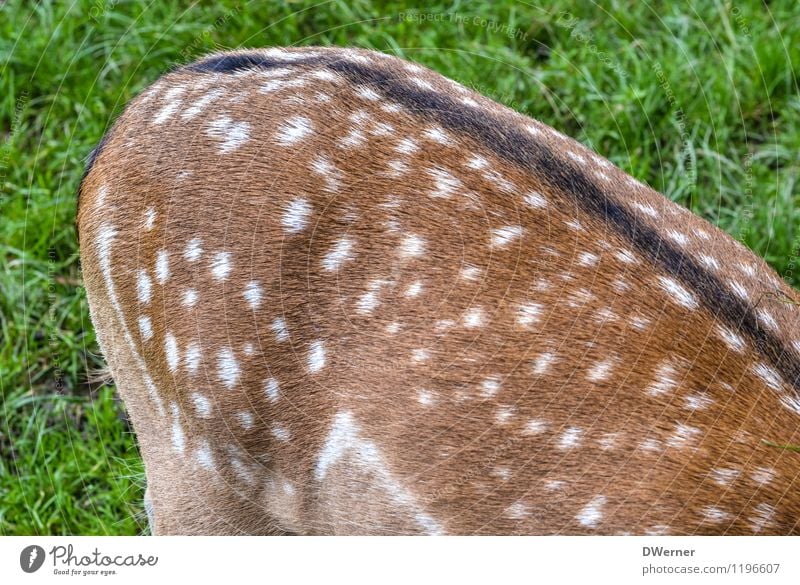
340,293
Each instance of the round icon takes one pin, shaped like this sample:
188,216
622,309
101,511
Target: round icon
31,558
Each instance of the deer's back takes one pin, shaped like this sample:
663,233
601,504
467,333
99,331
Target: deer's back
367,299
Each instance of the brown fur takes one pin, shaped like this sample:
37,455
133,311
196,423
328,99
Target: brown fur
446,403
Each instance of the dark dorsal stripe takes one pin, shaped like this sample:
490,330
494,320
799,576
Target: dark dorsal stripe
518,147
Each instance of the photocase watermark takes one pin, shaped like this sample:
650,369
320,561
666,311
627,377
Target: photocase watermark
190,51
31,558
65,561
741,22
492,26
53,341
747,211
100,7
572,23
14,130
680,118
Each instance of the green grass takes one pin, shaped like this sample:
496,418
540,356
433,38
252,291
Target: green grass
698,100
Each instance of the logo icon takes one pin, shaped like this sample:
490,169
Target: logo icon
31,558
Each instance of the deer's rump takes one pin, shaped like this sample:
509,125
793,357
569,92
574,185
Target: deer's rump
332,305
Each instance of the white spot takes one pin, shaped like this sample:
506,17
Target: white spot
412,246
678,237
473,317
570,438
490,387
204,457
367,93
767,320
739,290
422,83
763,475
725,477
143,287
698,401
332,175
535,426
709,262
150,219
171,350
420,355
665,380
518,511
193,250
702,234
600,371
178,440
576,157
535,200
731,339
354,138
245,420
469,272
295,218
202,405
393,327
338,254
608,441
145,327
504,414
406,146
437,135
173,102
587,259
678,294
272,389
425,398
477,162
192,357
554,485
715,515
592,513
221,266
189,297
369,300
502,236
529,314
252,294
650,444
281,433
748,269
764,514
542,363
625,256
683,434
444,183
162,266
316,357
574,225
646,209
294,129
232,134
769,376
414,289
202,103
227,367
280,330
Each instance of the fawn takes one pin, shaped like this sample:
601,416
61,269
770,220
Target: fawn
342,294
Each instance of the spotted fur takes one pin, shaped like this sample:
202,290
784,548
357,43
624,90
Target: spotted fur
341,293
